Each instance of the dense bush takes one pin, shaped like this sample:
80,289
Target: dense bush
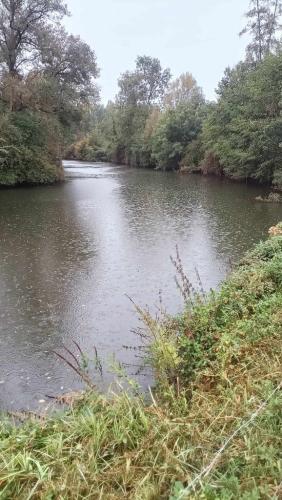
177,129
87,149
29,148
244,128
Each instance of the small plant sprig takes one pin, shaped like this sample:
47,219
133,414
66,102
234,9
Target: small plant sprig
80,365
183,283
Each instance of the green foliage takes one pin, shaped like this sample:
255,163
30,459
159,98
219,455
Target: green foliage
244,129
26,154
125,139
136,130
88,149
129,134
239,136
47,79
153,123
125,124
21,24
242,314
177,130
122,129
184,90
144,86
213,428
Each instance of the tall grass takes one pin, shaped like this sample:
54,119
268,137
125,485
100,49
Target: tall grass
212,429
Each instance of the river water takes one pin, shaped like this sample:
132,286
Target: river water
72,253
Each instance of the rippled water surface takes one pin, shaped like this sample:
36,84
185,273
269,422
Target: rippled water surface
71,253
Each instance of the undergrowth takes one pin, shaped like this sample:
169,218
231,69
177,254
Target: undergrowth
213,427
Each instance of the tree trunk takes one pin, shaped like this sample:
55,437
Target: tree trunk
259,30
272,27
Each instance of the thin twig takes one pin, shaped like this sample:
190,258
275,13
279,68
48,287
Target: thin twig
78,347
72,355
79,372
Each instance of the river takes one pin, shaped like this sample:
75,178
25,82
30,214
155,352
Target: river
71,254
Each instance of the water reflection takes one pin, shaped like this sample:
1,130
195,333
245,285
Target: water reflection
71,253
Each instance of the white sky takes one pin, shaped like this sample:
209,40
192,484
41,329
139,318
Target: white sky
200,36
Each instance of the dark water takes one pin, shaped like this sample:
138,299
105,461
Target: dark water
70,254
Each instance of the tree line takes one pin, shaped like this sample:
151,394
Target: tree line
49,104
168,124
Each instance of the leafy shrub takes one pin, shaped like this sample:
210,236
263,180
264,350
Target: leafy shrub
28,152
87,149
244,128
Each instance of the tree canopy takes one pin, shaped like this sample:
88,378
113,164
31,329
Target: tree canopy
264,27
145,85
21,22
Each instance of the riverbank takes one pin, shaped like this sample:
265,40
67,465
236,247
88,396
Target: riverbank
50,173
212,428
209,169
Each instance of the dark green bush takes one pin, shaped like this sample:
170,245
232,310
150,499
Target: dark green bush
28,148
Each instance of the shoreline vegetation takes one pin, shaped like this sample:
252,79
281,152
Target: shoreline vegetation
212,426
176,128
47,79
50,105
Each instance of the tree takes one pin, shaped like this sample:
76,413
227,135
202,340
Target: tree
47,81
141,91
177,128
244,128
70,62
183,90
263,25
180,124
145,85
20,24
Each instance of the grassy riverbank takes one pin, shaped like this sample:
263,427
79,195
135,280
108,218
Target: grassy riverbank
213,427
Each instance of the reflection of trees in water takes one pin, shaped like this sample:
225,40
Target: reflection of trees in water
154,199
216,220
234,219
227,209
44,245
163,210
174,209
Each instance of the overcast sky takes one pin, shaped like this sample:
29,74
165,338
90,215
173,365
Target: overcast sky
200,36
